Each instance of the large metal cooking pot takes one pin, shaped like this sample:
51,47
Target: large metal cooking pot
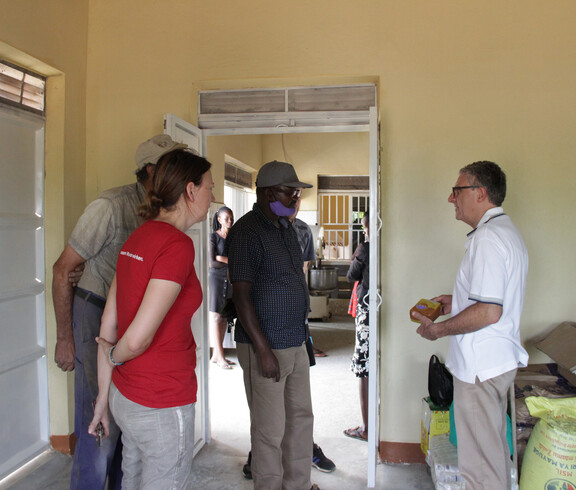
323,279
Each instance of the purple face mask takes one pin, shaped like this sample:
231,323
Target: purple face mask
280,210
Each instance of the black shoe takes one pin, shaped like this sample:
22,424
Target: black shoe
321,462
246,469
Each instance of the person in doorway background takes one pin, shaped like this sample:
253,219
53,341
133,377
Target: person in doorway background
220,288
304,234
146,349
95,241
486,305
306,241
360,271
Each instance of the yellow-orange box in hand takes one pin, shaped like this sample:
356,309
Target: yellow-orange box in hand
430,309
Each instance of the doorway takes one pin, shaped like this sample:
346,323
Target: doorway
300,110
370,127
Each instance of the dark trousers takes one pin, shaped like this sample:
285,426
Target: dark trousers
92,463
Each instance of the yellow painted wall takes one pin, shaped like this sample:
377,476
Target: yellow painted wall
246,148
314,154
50,38
458,82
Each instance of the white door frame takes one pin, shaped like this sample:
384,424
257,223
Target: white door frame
375,224
184,132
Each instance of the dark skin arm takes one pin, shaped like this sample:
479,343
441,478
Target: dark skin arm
247,315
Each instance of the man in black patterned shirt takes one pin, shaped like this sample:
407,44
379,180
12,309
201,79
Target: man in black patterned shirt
271,297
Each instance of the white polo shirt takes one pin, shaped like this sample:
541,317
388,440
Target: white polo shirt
493,270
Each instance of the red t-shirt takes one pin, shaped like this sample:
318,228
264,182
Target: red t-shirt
164,375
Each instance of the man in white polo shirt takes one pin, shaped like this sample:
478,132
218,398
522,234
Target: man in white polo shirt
486,306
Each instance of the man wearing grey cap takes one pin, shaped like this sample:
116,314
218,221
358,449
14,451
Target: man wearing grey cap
271,297
96,241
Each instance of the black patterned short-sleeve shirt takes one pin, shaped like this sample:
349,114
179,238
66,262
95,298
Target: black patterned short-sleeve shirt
271,259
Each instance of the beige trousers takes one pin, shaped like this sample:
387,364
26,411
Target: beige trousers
480,417
281,419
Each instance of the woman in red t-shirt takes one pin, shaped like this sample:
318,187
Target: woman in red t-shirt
146,351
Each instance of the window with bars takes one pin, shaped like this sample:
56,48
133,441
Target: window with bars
22,88
340,214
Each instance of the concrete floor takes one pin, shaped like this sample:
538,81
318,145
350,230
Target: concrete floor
218,465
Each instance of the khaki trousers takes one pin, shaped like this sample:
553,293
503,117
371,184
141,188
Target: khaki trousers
281,419
480,417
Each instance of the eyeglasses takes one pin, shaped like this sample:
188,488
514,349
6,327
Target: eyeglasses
293,192
459,188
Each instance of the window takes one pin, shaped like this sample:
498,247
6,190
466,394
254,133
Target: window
238,199
235,175
292,106
340,213
21,88
238,193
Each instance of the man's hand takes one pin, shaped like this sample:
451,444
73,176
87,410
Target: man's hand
64,354
446,301
62,295
427,329
471,319
247,315
76,274
270,366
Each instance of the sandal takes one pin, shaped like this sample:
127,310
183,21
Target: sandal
355,434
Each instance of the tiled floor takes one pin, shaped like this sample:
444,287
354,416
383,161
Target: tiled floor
336,407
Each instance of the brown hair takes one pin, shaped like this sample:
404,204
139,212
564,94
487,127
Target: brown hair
174,172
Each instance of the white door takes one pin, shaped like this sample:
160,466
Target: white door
184,132
24,415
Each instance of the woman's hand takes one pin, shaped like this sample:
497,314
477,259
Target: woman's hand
101,421
106,346
101,416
